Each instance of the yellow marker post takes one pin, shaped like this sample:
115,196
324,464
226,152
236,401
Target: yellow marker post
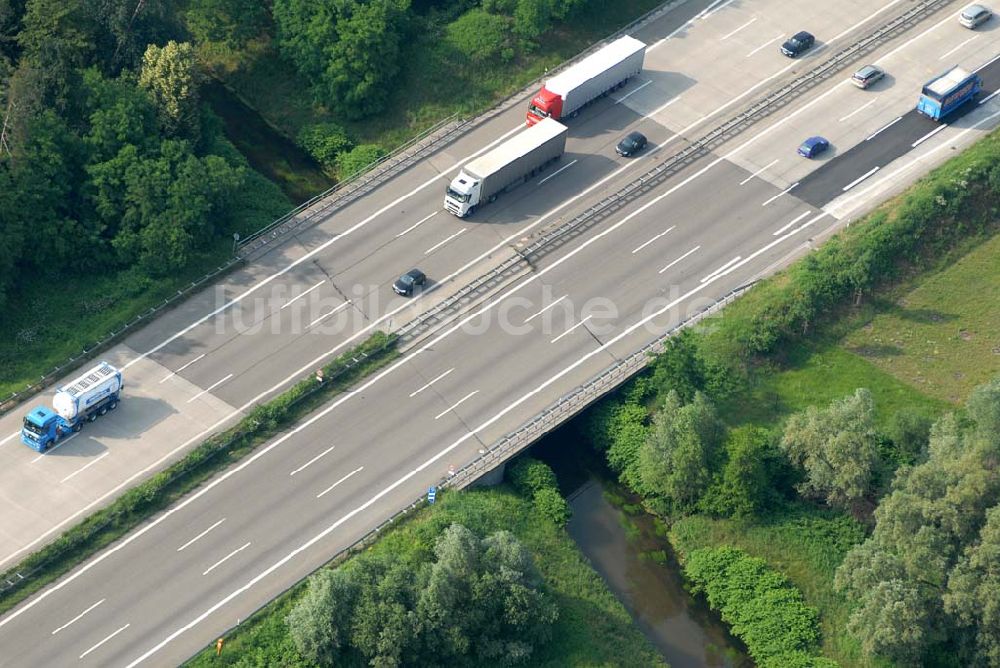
218,646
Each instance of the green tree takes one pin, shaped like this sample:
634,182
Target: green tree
746,486
320,623
56,39
231,23
532,18
121,115
325,142
909,432
837,447
675,462
13,234
973,596
680,367
170,75
386,627
305,29
352,162
124,28
11,13
481,37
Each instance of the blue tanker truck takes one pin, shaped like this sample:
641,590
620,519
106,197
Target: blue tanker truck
92,394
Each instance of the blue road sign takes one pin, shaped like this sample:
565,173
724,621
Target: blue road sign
432,494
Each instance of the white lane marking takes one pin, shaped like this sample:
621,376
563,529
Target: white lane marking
226,558
55,631
785,227
327,315
860,178
883,128
456,404
174,373
948,53
982,101
928,135
299,296
443,242
201,535
728,35
712,9
769,200
388,488
86,466
11,437
105,640
658,110
579,324
210,388
858,110
631,93
357,470
759,171
314,459
658,236
721,271
319,249
530,318
312,364
685,26
693,250
764,45
418,223
57,446
416,392
916,161
557,172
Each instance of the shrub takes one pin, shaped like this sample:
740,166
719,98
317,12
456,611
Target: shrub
359,157
550,505
529,476
481,37
325,142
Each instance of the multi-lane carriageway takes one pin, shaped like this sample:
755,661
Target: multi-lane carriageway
714,224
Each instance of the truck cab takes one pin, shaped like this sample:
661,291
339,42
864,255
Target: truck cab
462,195
544,105
43,427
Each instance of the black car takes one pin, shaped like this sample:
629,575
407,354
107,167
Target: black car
631,144
408,282
798,44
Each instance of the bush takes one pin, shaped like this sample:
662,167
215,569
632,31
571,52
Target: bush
762,608
550,505
357,159
481,37
325,142
529,476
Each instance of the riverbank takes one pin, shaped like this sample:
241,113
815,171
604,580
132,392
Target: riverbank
592,629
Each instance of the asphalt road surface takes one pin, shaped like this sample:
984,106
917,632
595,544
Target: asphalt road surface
725,218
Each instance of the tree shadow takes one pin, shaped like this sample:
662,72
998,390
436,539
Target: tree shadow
926,316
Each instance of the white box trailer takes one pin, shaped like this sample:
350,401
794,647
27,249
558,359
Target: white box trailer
511,163
563,95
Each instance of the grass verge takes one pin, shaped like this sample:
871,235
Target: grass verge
215,454
593,628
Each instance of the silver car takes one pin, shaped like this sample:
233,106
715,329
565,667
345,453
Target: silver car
974,16
867,75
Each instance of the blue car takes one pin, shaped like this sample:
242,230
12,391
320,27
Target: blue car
813,146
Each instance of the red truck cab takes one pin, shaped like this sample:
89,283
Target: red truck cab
544,105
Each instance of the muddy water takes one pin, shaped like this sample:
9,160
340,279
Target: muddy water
641,572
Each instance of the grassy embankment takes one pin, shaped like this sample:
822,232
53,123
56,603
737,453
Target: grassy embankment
593,628
922,343
431,84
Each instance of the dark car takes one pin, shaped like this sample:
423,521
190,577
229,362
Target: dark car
867,75
631,144
813,146
798,44
408,282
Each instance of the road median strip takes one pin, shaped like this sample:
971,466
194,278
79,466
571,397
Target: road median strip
215,454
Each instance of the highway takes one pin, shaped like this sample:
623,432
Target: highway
716,223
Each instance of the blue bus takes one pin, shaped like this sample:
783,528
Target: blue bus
946,93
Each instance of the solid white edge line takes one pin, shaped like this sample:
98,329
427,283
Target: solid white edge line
174,373
785,227
530,318
765,45
86,466
728,35
456,404
558,172
201,535
226,558
577,325
632,92
860,178
77,618
945,55
357,470
424,387
105,640
210,388
298,296
883,128
721,269
981,102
